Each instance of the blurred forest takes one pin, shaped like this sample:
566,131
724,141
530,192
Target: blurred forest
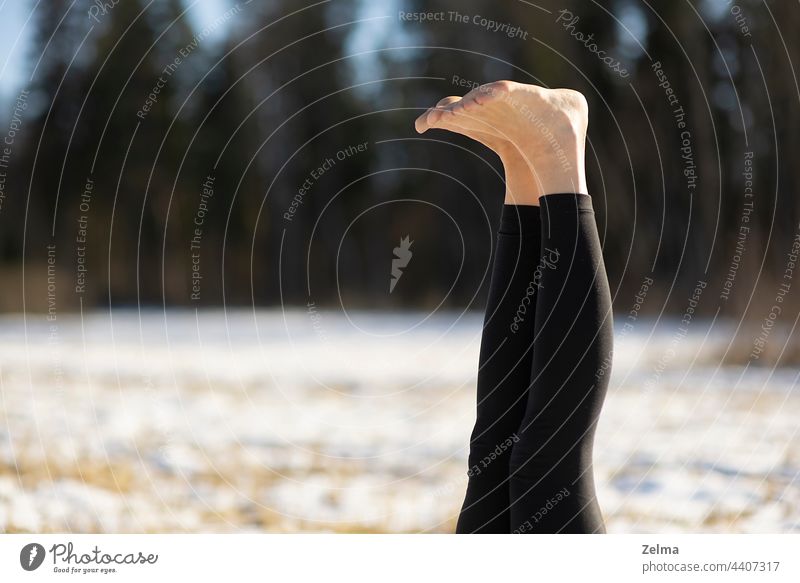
119,199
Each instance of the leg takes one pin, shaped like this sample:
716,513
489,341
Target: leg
506,358
507,342
552,484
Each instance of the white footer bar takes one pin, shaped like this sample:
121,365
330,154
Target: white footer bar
401,558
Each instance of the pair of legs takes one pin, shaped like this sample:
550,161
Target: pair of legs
547,338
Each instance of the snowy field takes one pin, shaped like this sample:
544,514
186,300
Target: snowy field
296,421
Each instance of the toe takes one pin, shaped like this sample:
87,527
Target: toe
432,116
421,123
435,116
470,103
446,106
449,100
490,91
457,107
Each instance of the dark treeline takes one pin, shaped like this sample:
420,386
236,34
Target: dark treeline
270,156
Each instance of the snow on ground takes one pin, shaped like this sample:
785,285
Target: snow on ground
293,421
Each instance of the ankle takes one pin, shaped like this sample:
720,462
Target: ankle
521,187
563,170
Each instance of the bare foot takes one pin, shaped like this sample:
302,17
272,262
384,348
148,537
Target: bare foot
546,126
520,182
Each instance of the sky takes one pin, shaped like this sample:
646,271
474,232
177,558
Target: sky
16,26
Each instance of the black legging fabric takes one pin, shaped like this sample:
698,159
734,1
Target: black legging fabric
544,363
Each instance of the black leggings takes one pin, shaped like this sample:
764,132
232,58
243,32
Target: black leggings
544,363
